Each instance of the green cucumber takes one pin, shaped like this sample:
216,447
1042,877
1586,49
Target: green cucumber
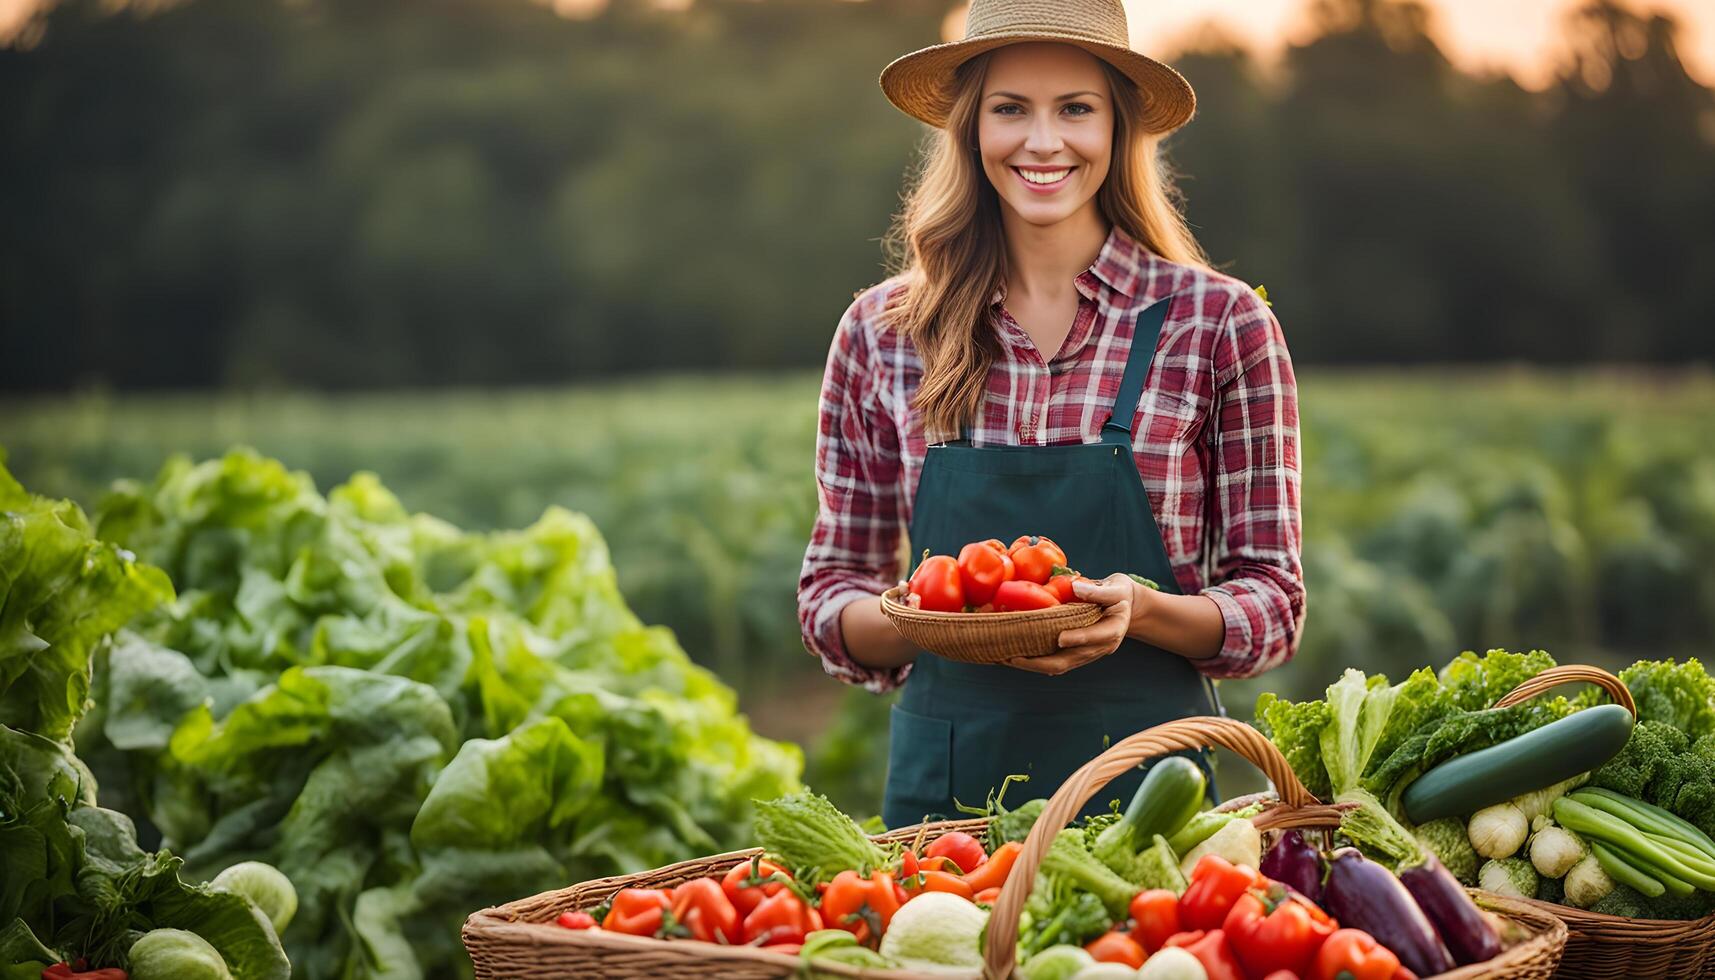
1557,751
1171,793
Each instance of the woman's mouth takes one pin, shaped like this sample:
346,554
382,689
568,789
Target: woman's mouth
1044,181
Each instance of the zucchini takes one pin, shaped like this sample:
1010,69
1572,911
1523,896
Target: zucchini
1171,792
1525,763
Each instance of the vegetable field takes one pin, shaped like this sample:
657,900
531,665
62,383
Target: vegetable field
1443,511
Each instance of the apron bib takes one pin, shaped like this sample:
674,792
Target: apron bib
960,729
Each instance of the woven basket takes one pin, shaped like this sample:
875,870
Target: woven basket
1602,946
987,638
519,939
1534,957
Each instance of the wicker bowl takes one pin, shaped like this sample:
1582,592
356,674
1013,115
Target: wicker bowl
986,638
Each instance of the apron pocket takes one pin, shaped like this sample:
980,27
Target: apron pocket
919,768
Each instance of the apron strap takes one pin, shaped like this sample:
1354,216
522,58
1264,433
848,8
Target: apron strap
1144,336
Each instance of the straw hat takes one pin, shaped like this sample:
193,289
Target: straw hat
919,82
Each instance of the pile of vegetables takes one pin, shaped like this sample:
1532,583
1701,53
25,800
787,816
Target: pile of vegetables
989,576
1563,800
79,897
1161,891
409,721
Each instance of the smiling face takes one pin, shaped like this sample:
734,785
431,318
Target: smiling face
1045,129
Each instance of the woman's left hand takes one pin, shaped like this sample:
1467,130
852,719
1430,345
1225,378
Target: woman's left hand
1116,594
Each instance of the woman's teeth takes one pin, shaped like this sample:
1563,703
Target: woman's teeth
1044,177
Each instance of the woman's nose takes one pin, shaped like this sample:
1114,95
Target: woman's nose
1044,138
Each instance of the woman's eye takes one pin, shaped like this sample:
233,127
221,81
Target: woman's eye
1081,106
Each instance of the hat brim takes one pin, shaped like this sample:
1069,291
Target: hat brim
919,83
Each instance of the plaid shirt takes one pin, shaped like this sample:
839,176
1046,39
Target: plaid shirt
1216,441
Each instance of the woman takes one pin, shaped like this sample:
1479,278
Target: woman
1056,358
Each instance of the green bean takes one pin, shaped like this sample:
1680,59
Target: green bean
1648,817
1691,856
1624,873
1590,822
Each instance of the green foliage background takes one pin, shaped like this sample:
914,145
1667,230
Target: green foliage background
1443,511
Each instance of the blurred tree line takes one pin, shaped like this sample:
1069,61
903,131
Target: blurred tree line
419,192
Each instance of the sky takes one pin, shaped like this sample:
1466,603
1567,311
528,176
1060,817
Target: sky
1516,36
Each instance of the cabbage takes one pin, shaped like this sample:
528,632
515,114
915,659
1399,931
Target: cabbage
936,930
1057,963
174,954
266,886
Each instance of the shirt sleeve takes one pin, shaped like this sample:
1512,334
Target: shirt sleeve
1256,533
853,550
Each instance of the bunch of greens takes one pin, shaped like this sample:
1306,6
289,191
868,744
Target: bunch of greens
1369,739
76,884
408,720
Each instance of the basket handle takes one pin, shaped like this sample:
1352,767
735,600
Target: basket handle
1556,676
1000,951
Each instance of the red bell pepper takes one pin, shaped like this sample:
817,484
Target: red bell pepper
781,918
1216,884
1275,929
992,873
702,908
638,911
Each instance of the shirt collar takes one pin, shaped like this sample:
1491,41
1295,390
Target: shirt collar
1121,266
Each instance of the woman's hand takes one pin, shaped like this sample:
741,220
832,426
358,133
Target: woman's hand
1117,595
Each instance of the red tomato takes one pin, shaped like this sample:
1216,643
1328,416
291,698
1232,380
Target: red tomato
960,848
1354,954
576,920
1061,585
937,584
1034,558
748,883
981,571
1154,917
1115,947
1018,595
861,906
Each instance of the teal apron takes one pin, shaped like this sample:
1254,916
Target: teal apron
960,729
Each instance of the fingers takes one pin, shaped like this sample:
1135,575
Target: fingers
1059,663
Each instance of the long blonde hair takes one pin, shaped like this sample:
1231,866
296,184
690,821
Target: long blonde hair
947,242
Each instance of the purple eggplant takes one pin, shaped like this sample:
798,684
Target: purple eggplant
1364,895
1456,918
1293,862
